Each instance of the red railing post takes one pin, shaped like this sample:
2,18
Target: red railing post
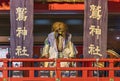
5,71
111,71
31,73
84,74
58,73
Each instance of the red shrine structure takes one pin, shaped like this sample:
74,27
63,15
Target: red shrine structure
71,12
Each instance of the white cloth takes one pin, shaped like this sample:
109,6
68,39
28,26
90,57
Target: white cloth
50,48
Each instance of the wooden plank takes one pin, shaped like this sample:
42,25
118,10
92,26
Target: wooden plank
95,29
21,40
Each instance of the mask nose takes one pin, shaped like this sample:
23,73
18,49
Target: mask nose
60,31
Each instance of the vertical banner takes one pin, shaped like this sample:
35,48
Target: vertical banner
95,29
21,39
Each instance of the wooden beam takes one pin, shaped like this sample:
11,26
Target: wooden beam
95,29
21,36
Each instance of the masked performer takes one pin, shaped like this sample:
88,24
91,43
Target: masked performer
58,44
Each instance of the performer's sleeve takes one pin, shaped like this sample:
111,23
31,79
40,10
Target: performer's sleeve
73,50
46,47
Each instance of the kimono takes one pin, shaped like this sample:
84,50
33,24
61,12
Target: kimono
50,48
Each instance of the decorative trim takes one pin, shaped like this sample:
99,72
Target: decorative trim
59,0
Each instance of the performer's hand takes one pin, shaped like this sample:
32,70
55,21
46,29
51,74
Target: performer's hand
45,56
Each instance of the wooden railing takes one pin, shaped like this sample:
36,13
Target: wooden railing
84,67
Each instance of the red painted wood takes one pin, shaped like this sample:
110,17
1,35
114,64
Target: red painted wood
85,70
113,6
